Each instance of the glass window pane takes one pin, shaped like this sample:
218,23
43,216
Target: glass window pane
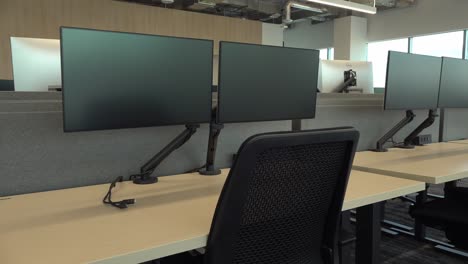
466,45
377,53
331,54
447,45
324,54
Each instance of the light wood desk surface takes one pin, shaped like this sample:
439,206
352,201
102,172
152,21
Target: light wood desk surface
435,163
73,226
462,141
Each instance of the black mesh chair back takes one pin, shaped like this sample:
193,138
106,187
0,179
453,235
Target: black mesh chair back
282,199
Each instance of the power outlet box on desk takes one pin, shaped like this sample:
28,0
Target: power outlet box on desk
422,140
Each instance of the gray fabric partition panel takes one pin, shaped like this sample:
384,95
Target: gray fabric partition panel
456,124
37,156
371,121
233,135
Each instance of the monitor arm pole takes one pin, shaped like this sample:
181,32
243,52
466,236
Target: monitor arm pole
210,169
350,80
408,142
408,118
145,172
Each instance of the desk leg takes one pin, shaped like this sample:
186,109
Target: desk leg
419,228
448,187
345,239
368,234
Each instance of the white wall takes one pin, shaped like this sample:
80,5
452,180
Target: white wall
306,35
36,63
272,34
426,17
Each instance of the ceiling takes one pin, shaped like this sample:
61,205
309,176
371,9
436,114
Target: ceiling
269,11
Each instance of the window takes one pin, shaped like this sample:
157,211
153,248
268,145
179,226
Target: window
331,53
466,46
446,44
377,53
327,54
324,54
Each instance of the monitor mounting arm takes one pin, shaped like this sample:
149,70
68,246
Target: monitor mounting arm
350,79
146,170
405,121
210,169
408,142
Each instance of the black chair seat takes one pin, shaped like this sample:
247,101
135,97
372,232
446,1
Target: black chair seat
449,214
442,212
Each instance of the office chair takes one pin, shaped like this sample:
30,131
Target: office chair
449,214
282,199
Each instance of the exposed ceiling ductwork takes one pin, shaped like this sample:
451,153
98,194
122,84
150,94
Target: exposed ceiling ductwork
272,11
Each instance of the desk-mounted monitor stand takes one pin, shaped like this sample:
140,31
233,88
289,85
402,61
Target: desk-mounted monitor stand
146,170
408,142
350,80
405,121
210,169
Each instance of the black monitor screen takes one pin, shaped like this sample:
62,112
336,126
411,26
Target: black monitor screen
117,80
265,83
7,85
412,81
454,84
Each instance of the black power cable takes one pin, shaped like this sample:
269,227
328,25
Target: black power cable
120,204
196,169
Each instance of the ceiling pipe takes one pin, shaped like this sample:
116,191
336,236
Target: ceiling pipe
298,5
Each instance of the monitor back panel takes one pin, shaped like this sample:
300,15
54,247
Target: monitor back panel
123,80
412,81
266,83
454,84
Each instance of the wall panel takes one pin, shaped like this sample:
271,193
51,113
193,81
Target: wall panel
43,18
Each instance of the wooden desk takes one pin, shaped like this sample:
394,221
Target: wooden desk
462,141
436,163
368,188
172,216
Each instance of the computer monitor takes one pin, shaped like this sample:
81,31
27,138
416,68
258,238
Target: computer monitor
115,80
266,83
334,73
7,86
454,83
412,81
